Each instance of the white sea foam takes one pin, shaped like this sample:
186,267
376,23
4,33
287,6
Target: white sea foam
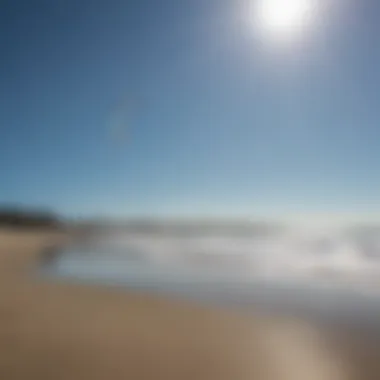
331,254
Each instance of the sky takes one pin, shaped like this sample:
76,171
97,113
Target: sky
187,107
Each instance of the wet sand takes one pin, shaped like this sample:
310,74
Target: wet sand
67,331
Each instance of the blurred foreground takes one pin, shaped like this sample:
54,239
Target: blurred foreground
67,331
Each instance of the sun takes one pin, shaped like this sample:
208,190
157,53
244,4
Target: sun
282,17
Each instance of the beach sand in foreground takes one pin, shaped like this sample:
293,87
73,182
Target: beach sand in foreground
67,331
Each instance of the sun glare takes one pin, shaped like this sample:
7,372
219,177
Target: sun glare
282,17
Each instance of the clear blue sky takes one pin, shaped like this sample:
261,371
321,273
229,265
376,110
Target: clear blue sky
218,120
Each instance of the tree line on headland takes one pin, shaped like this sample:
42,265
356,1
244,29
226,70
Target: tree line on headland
17,217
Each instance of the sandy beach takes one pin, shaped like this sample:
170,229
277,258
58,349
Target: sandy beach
67,331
